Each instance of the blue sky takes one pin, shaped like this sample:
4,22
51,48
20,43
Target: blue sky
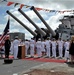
3,13
51,18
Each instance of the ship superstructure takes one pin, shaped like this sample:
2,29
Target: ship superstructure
66,28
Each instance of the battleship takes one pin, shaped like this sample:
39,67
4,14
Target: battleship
66,28
39,32
64,31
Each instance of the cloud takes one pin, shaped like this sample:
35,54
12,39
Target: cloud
2,26
67,3
20,1
16,27
51,18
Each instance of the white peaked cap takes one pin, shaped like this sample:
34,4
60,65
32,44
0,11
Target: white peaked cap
39,39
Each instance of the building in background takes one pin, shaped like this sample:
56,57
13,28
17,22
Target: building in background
19,34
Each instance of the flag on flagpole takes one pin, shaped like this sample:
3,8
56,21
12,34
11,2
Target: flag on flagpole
5,33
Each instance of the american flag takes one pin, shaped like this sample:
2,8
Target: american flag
5,33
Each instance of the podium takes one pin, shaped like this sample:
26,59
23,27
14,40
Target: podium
21,51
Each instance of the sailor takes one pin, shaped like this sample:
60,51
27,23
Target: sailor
16,43
11,48
43,47
60,44
48,45
27,45
20,41
39,47
67,45
32,47
54,44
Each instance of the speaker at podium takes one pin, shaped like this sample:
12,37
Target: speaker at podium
21,51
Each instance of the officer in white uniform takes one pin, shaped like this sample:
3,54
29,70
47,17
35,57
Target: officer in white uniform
67,45
39,47
16,43
11,48
43,48
48,45
60,47
27,45
54,44
32,47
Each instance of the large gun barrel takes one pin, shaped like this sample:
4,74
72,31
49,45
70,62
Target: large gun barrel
48,27
33,33
39,30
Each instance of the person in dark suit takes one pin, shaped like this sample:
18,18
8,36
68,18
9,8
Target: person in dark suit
7,46
71,49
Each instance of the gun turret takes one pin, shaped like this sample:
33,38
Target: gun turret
48,27
39,30
33,33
